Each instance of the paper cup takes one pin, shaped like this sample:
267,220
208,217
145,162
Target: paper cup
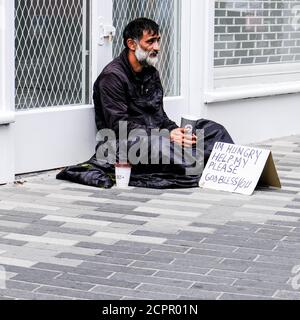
123,173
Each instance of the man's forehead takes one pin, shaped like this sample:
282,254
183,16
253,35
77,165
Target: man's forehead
150,34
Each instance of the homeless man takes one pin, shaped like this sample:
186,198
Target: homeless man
129,90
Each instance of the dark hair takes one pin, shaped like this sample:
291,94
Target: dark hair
135,29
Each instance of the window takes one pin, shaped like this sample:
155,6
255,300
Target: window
256,41
52,62
167,14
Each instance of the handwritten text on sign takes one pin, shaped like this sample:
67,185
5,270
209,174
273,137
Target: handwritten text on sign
234,168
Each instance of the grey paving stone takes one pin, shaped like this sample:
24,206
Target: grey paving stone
237,297
288,295
152,280
205,225
32,278
241,225
118,248
290,262
278,226
28,231
292,184
190,236
43,229
31,231
282,191
19,218
235,289
288,214
16,213
120,220
120,196
42,274
195,277
291,239
136,293
77,294
47,223
96,259
26,192
133,299
91,266
180,267
240,265
97,272
260,284
136,257
160,247
258,235
296,231
277,253
186,257
184,298
206,246
284,247
271,266
270,277
124,211
263,271
119,283
194,292
224,254
267,231
12,242
293,206
83,190
10,284
25,295
247,243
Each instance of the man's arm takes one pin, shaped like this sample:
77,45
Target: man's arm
168,123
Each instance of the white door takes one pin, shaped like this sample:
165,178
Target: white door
57,58
59,52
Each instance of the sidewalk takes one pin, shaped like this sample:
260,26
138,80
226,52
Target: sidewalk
65,241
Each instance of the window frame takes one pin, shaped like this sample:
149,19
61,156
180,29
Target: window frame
286,75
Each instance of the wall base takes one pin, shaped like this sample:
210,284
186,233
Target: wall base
7,172
260,119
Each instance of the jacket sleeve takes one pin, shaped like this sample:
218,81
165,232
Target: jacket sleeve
114,103
168,124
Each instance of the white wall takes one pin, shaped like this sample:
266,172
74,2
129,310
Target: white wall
7,95
258,119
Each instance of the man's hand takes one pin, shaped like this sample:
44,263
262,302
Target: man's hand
182,137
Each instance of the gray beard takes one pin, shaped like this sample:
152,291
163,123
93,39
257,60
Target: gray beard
144,58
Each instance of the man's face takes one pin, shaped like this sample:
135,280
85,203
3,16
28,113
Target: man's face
148,49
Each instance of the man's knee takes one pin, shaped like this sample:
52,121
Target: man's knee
214,130
209,125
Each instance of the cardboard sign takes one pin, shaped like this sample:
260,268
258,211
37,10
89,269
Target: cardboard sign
239,169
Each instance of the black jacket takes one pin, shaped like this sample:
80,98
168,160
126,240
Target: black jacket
120,94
